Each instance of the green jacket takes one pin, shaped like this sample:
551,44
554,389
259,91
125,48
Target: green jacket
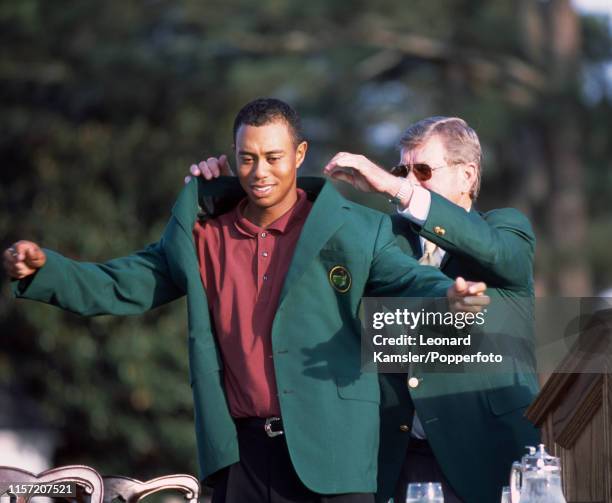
330,409
473,421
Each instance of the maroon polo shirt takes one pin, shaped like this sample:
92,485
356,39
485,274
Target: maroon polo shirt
243,268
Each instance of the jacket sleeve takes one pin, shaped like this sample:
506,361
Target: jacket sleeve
501,243
395,274
127,285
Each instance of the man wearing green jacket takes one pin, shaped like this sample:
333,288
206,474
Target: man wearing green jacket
462,430
273,283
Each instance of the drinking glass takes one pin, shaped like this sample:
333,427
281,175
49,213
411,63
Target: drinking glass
424,492
505,495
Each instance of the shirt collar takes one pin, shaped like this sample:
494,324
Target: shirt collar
297,213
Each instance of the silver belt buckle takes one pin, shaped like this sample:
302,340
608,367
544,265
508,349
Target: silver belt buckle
268,427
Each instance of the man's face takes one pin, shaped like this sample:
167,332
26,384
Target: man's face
449,181
267,160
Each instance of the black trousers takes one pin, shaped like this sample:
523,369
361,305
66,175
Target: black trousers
420,465
265,473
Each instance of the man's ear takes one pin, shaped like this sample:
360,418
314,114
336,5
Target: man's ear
300,154
468,175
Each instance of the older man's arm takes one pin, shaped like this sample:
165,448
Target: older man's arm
395,274
500,242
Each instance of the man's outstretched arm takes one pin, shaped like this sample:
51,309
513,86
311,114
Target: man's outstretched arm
395,274
502,243
127,285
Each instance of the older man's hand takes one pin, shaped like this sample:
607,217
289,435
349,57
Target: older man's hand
467,296
213,167
23,259
366,176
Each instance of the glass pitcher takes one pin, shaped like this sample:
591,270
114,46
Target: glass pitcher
537,478
516,474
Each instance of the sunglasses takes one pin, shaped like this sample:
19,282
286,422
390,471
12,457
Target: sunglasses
421,170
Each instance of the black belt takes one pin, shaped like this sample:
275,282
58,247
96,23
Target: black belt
272,426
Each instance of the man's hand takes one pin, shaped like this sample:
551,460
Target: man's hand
22,259
364,175
213,167
467,296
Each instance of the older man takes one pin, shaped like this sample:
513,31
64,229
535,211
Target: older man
462,430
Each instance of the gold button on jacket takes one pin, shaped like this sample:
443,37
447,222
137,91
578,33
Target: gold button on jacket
440,231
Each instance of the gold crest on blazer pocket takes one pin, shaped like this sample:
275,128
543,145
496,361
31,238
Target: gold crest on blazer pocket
340,278
339,269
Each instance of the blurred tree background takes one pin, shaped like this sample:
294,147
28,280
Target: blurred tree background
104,105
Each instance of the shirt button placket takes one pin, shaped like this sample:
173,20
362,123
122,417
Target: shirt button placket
260,265
264,254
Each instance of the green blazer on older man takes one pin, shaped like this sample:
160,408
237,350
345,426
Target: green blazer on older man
473,421
330,409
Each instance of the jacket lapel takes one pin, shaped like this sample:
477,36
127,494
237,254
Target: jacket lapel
325,218
206,199
445,259
407,236
407,230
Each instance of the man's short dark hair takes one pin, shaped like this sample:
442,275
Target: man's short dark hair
264,111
